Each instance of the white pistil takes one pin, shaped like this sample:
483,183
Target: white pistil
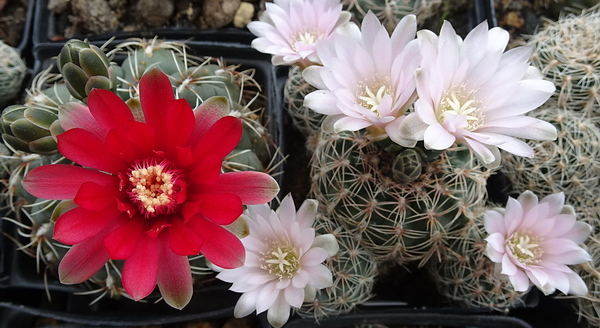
525,248
281,261
459,102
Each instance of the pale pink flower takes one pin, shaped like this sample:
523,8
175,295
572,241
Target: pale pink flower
290,29
535,241
284,259
367,77
474,93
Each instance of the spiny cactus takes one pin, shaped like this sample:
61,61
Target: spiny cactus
354,272
570,164
568,53
396,220
83,66
390,12
12,73
467,277
307,121
589,306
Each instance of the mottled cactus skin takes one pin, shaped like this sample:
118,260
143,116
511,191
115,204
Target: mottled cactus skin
195,79
467,277
12,73
567,53
305,120
395,220
569,164
353,269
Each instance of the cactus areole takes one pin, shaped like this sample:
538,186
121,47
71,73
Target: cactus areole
150,190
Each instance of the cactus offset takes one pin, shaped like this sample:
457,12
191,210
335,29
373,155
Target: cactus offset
396,220
12,73
466,276
568,53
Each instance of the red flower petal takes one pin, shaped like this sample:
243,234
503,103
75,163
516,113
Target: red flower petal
108,109
183,240
79,224
221,138
82,261
60,181
95,197
141,268
252,187
179,123
84,148
142,136
207,170
121,242
222,209
221,247
174,276
209,112
183,157
73,115
156,93
188,209
118,144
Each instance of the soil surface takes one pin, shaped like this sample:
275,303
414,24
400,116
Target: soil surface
13,15
76,18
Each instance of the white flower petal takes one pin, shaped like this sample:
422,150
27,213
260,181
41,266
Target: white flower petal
577,286
519,281
436,137
496,241
246,304
493,221
294,296
328,243
301,278
266,297
319,276
508,267
307,213
279,313
310,293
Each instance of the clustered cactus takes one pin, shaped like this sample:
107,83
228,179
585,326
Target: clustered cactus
29,130
390,12
568,53
396,216
13,72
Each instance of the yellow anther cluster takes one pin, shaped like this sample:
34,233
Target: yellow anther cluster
281,261
525,248
460,102
152,187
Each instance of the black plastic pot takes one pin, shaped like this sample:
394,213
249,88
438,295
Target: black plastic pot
47,27
23,290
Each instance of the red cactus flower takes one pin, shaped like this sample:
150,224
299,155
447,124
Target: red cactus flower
149,189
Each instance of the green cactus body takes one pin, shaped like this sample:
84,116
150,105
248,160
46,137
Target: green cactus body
390,12
467,277
569,164
307,121
24,127
589,306
12,73
568,54
396,220
353,269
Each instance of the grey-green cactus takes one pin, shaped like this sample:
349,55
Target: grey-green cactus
467,277
396,220
12,73
29,130
568,53
390,12
353,269
569,164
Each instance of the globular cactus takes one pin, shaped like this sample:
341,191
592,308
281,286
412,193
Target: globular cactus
29,130
589,306
305,120
390,12
396,220
467,277
12,73
570,164
568,53
353,269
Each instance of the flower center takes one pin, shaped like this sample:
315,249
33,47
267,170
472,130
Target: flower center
281,260
370,95
153,186
525,248
305,37
460,103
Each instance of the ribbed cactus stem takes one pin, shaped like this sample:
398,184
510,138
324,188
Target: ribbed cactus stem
12,73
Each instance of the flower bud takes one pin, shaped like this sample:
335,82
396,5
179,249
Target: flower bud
85,67
30,129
